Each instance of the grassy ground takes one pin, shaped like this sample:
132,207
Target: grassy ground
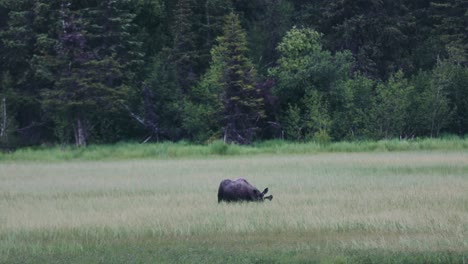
168,150
377,207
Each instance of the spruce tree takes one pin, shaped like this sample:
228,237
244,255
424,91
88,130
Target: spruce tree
163,98
210,14
228,91
184,54
376,32
451,25
96,60
269,27
26,34
69,101
243,105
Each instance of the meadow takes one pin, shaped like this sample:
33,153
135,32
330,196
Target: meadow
343,207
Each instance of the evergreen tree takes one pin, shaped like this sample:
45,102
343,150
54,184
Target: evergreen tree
114,69
210,14
153,19
424,45
202,116
28,25
163,98
77,71
110,33
243,104
376,32
97,60
267,29
451,25
231,79
69,101
184,50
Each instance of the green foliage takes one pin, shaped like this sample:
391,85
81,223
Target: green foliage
450,24
21,35
182,149
184,50
211,14
292,123
243,104
304,65
81,71
200,122
267,29
390,108
353,105
152,19
376,32
310,123
451,78
232,79
301,57
203,110
317,121
91,64
311,76
163,103
430,105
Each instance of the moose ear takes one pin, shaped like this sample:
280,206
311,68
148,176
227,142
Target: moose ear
265,191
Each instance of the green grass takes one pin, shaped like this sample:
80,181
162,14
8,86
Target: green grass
367,207
168,150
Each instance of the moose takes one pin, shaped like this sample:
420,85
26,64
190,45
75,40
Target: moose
240,190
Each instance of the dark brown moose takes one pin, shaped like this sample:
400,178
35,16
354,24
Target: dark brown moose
240,190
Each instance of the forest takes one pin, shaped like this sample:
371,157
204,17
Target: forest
80,72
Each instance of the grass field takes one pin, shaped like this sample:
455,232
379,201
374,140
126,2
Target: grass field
367,207
170,150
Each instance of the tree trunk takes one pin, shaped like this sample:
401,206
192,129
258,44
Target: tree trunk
80,133
3,130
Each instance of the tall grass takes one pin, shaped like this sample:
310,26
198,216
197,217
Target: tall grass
379,207
168,150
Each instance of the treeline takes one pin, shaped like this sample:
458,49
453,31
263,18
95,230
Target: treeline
80,72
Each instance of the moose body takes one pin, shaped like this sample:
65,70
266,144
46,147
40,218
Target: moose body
240,190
